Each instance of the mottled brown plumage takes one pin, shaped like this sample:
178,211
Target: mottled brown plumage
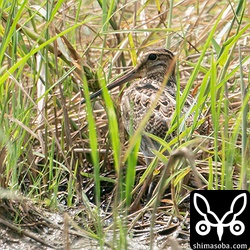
154,67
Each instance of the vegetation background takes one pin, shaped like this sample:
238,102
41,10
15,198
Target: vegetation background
58,156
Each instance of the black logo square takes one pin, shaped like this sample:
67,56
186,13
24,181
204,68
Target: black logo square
219,219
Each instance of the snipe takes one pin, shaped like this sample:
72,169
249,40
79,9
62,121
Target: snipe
156,67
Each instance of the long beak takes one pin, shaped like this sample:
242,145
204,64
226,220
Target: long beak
131,75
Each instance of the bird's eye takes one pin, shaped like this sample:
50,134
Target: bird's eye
152,57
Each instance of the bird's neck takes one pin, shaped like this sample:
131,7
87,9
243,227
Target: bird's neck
159,79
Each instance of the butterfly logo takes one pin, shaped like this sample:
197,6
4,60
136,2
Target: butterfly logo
203,227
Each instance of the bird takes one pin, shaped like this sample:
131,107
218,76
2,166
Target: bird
155,68
153,90
153,78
